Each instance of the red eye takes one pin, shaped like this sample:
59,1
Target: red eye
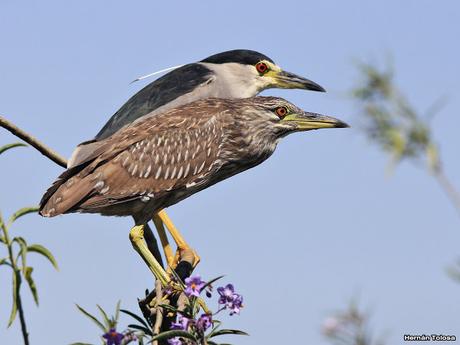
262,67
281,111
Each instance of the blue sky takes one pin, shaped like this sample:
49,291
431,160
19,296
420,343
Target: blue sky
319,223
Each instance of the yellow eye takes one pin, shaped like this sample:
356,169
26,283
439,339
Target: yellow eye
262,67
281,111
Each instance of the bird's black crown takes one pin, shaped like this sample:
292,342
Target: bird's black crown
242,56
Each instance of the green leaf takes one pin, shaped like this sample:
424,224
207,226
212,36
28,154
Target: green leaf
5,261
93,318
136,317
3,226
38,248
10,146
23,251
107,321
33,288
169,307
211,282
172,334
141,328
16,285
227,331
117,311
22,212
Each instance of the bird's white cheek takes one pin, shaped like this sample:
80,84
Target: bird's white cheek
263,83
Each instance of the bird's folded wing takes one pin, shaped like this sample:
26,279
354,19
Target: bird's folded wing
172,158
175,150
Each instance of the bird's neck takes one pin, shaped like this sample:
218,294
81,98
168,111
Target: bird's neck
233,80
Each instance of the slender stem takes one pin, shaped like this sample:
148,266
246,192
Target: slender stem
45,150
448,188
159,310
25,333
16,271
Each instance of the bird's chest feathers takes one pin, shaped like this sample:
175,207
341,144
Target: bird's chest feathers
251,150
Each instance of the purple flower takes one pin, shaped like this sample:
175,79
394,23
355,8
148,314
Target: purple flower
174,341
229,299
193,286
236,305
181,323
129,337
113,337
204,322
226,293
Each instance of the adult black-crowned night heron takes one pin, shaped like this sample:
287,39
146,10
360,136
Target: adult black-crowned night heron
231,74
161,160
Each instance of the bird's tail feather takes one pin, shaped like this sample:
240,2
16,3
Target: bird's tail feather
65,194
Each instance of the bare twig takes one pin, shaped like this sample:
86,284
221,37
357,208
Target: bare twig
45,150
448,188
159,310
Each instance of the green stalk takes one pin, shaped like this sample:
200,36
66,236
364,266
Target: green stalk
16,271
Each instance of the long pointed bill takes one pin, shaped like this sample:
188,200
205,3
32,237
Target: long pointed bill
287,80
306,121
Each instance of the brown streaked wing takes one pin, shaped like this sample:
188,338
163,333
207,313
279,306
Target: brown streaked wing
170,151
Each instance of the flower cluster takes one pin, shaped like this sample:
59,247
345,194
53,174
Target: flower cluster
188,321
201,325
229,299
183,323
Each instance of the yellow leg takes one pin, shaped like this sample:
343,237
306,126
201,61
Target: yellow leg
164,240
184,251
136,235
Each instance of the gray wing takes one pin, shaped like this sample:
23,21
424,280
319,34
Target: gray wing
158,93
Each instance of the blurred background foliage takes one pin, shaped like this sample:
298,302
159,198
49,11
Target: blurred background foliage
396,127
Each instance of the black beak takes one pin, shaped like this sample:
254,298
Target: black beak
287,80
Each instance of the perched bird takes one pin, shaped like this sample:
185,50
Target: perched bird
231,74
237,73
161,160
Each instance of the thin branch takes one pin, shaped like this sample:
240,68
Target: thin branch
45,150
159,310
448,188
25,333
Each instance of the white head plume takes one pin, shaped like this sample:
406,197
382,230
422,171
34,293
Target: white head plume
155,73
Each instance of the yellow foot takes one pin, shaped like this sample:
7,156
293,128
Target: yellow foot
136,235
184,252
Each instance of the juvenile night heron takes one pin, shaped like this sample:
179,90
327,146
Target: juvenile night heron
231,74
161,160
